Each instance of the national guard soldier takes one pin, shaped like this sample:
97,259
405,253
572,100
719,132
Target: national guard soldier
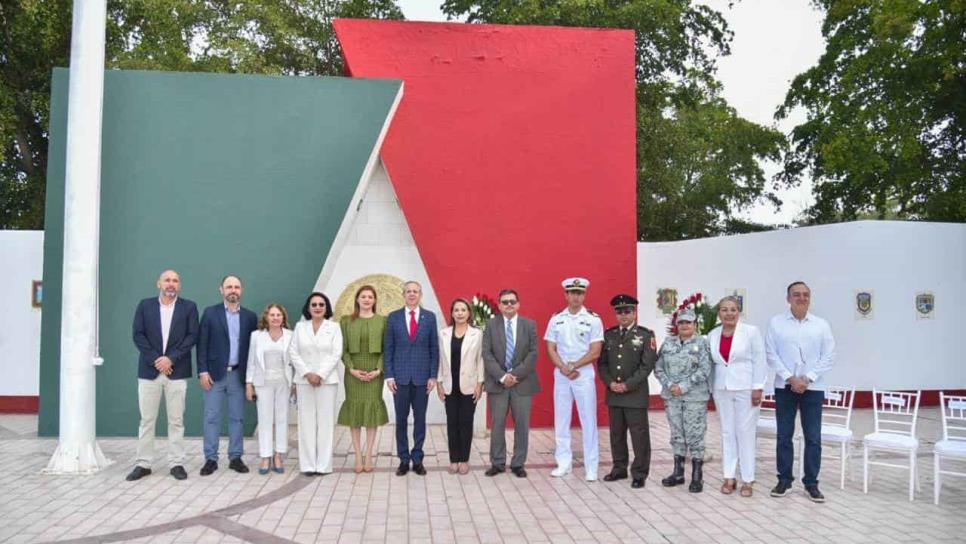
683,368
574,337
626,360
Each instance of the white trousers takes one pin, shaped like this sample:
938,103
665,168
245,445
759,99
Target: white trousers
272,405
739,424
149,402
583,391
316,426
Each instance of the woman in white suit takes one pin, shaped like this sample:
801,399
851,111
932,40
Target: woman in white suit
460,361
740,370
268,381
315,351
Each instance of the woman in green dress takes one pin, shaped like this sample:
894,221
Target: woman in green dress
362,354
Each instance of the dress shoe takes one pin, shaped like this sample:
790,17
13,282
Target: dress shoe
637,483
560,472
419,469
590,476
493,471
519,472
308,473
210,466
403,469
178,472
614,476
238,465
137,474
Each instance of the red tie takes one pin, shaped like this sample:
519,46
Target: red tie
412,324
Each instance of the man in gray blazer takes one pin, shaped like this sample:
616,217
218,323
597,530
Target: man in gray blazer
510,363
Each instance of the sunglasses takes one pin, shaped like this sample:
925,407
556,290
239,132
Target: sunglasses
624,311
317,305
508,302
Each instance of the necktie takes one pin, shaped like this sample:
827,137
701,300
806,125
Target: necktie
509,346
412,324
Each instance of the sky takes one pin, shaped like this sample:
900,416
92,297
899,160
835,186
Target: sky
774,41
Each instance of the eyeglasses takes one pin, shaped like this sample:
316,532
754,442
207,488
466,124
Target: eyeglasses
508,302
317,305
624,311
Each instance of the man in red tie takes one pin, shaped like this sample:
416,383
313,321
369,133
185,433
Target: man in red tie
410,357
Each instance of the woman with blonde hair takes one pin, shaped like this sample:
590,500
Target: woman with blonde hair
268,381
362,334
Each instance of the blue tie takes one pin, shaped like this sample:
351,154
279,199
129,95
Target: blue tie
509,346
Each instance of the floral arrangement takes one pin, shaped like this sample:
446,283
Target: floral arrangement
482,308
707,314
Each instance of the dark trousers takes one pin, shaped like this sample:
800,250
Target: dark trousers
518,406
809,403
460,409
634,420
410,397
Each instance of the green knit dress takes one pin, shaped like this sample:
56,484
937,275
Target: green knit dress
362,350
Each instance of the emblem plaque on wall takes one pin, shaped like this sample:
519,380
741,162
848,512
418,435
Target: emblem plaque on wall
742,296
863,303
667,300
925,305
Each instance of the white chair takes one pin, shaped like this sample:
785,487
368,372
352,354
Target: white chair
953,444
836,426
895,416
767,424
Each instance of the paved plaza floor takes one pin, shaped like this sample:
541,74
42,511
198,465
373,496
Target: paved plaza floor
440,507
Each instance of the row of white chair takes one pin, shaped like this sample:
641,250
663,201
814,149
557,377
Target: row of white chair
895,416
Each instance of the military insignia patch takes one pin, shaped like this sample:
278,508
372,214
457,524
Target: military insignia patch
637,341
863,304
653,343
925,306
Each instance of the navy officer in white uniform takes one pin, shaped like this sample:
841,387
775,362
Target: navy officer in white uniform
574,340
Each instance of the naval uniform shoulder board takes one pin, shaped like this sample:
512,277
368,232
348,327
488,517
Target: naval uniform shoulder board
591,312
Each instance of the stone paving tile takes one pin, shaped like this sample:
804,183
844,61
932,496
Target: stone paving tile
379,507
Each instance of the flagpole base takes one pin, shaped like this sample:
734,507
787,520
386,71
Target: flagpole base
77,458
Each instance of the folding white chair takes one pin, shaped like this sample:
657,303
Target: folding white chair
767,424
895,416
953,444
836,426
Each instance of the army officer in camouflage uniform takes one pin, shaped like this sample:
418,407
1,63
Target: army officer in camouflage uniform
683,368
626,360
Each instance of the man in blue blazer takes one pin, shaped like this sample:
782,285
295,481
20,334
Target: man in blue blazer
411,360
226,329
165,331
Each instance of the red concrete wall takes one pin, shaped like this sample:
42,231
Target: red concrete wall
513,157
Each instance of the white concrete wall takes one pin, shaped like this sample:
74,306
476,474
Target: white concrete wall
22,253
895,259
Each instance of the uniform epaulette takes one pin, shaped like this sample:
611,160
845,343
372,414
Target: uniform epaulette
645,328
591,312
558,312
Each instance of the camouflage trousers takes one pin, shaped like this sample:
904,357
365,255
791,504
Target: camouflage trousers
688,423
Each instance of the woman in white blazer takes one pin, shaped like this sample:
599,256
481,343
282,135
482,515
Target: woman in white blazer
740,370
460,361
315,351
268,381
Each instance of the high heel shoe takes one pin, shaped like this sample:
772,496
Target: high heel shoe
367,465
264,470
278,468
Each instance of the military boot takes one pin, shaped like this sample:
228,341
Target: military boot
677,477
696,476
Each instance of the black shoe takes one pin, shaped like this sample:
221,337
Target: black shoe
210,466
493,471
697,476
519,472
419,469
137,474
403,469
781,489
179,473
308,473
614,476
238,465
814,494
637,483
676,477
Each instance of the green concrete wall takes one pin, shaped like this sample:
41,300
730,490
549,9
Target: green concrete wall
208,174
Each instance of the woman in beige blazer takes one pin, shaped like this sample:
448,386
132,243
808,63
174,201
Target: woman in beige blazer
460,358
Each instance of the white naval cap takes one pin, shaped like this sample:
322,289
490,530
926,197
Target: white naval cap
575,284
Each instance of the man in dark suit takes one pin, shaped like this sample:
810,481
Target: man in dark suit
165,331
510,363
626,360
226,329
411,360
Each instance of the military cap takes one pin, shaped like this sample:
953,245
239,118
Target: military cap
623,301
575,284
686,314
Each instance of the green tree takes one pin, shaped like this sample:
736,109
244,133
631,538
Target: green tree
698,161
292,37
885,129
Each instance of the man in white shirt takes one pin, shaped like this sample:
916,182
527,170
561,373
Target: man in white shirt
800,350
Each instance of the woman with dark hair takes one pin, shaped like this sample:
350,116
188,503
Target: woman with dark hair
268,381
315,352
362,354
460,380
